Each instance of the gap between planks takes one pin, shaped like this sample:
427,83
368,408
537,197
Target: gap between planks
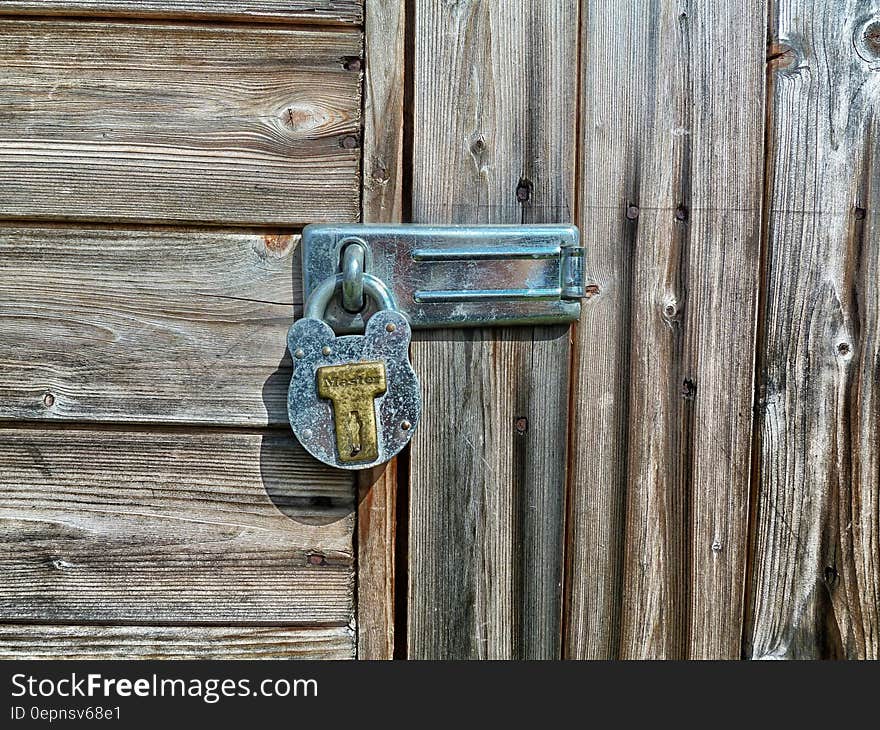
170,21
114,224
760,327
142,427
316,625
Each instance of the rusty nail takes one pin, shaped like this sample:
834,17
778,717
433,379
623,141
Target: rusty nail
681,213
859,213
632,212
350,142
353,64
524,191
48,400
522,425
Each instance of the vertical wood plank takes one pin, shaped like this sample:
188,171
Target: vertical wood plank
384,39
722,284
384,35
493,141
672,135
816,577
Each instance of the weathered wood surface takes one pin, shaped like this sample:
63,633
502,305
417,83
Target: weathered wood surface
382,202
816,574
174,642
376,566
116,526
670,175
384,36
493,141
162,326
310,11
163,123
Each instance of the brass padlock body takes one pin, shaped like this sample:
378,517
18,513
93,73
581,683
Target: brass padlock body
352,388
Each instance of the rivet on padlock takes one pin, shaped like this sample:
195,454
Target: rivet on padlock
354,400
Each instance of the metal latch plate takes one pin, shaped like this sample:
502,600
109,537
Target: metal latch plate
456,276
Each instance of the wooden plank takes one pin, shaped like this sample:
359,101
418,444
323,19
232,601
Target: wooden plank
493,141
670,212
382,203
161,123
383,112
116,526
161,326
816,566
174,642
376,567
311,11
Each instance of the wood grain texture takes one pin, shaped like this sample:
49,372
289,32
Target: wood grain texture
311,11
376,574
382,202
384,34
114,526
493,141
161,123
174,642
816,574
160,326
672,134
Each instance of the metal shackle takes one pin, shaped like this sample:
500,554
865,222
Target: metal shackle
353,270
373,287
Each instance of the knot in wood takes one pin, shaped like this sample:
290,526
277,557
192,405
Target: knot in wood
781,55
866,41
524,191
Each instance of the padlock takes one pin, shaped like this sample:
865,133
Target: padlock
354,401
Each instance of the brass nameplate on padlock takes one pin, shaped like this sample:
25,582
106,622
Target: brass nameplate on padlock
352,388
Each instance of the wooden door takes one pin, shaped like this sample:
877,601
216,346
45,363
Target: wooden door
710,425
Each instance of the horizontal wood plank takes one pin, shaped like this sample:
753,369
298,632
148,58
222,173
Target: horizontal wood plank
161,123
311,11
162,326
114,526
174,642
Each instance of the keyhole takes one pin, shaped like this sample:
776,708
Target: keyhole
355,427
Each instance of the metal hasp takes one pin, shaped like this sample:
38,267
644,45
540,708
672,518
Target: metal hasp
450,276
